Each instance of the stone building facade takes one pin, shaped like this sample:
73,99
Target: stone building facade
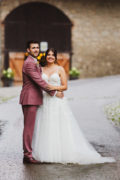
95,33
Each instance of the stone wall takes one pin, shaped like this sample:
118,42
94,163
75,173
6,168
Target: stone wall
95,33
98,36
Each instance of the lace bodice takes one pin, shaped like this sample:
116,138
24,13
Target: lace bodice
54,79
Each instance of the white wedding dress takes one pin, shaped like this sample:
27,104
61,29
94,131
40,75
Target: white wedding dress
57,136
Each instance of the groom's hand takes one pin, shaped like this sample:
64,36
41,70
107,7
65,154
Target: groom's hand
51,87
60,94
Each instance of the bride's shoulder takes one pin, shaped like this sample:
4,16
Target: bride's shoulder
60,69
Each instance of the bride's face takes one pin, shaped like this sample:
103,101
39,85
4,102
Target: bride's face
50,57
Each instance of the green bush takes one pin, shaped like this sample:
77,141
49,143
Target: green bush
8,73
74,72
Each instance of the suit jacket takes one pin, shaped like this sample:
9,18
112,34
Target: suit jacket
33,84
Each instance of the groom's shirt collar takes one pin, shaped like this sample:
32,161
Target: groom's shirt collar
33,58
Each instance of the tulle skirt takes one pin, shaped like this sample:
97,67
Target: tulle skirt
58,138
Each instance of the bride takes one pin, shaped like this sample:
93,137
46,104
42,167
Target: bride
57,136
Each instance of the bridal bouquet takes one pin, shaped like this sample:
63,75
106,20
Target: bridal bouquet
40,56
41,59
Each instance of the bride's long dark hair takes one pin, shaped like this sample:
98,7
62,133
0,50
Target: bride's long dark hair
43,61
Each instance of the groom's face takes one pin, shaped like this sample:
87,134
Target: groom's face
33,50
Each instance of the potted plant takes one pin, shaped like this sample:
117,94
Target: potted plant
7,77
74,73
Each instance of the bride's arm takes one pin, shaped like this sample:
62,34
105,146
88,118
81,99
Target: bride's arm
63,79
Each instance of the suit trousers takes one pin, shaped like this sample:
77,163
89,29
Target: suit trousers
29,112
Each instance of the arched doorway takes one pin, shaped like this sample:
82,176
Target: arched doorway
38,21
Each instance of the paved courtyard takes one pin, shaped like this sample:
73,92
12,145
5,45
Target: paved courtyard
87,99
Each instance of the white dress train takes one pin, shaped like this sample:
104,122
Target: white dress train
57,137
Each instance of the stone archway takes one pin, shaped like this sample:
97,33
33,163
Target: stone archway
38,21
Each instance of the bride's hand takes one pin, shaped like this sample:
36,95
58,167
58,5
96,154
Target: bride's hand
59,94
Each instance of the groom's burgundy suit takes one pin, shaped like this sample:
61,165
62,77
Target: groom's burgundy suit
30,98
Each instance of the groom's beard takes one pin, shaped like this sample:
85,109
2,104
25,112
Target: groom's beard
35,55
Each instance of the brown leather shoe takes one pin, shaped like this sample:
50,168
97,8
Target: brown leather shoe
31,160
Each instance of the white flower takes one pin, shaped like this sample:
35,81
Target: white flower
9,70
113,112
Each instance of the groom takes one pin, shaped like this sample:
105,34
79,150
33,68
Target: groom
31,96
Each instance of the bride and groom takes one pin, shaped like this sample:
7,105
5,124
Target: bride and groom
51,133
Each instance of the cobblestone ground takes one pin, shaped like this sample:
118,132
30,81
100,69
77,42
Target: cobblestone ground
86,98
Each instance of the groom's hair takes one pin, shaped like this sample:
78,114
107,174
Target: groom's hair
31,42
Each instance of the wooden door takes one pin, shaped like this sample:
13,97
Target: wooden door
63,60
38,21
16,60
